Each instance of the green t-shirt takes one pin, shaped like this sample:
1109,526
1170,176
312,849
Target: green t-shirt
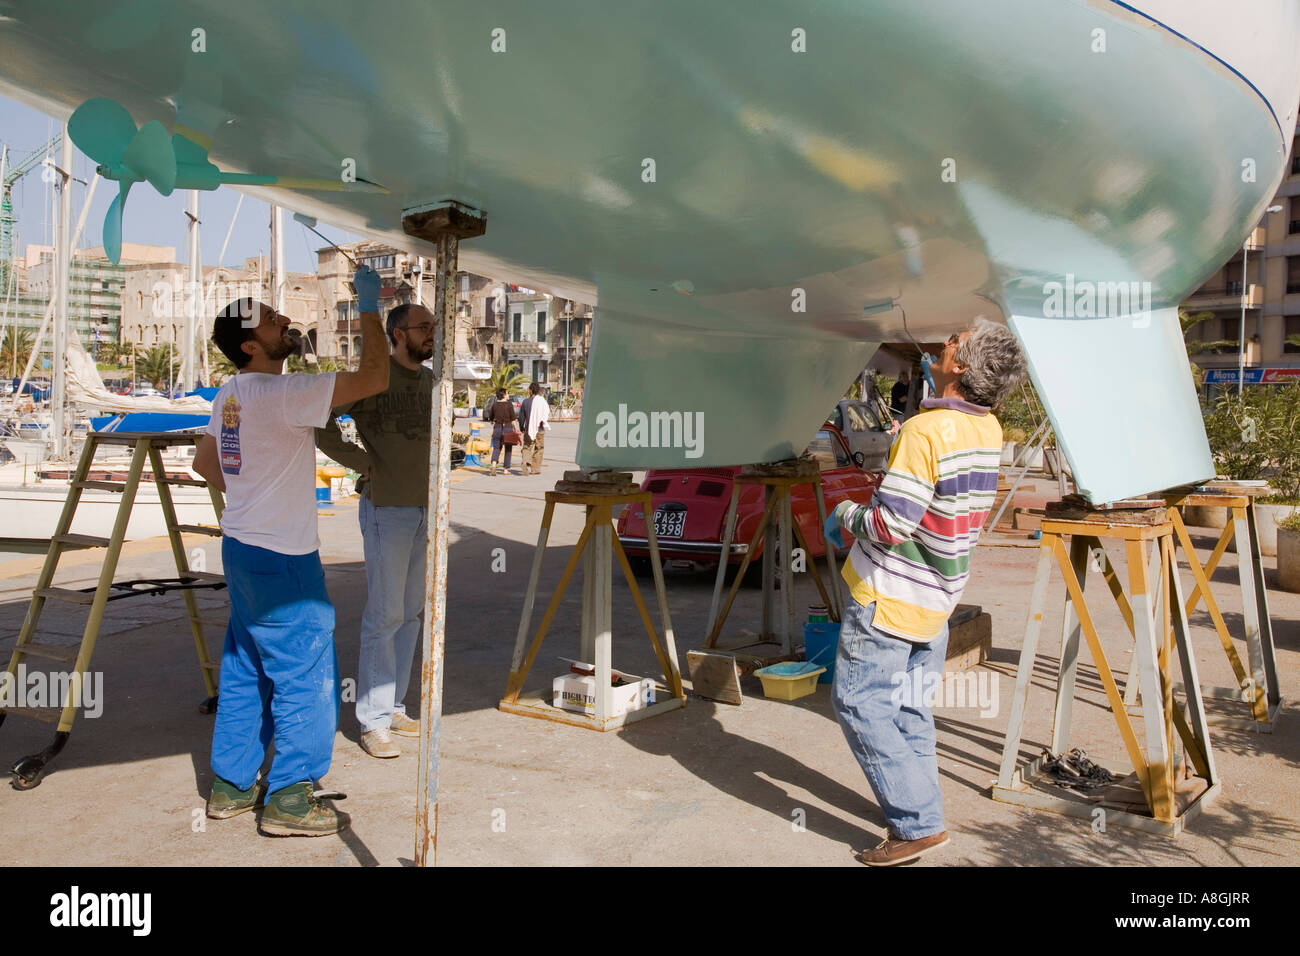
394,425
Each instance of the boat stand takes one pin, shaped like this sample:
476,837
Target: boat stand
599,493
28,772
1259,688
1154,611
777,479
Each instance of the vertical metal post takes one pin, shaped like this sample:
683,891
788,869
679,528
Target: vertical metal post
601,551
192,299
63,311
435,588
587,634
277,258
1241,339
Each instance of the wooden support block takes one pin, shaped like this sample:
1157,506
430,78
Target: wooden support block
1135,512
1024,519
715,675
970,637
607,475
597,487
790,468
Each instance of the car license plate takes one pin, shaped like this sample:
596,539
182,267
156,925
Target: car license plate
669,524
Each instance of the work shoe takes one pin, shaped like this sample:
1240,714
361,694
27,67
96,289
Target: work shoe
296,810
893,851
380,743
404,726
226,800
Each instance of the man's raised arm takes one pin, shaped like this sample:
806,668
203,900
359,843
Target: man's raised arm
371,377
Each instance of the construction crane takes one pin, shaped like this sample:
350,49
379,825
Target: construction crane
9,176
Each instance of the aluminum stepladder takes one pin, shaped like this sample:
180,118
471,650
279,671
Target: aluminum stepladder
1154,611
27,772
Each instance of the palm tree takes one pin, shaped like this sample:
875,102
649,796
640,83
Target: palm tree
298,364
507,375
157,367
15,349
222,367
1188,321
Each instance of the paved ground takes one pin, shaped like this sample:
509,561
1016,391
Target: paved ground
707,785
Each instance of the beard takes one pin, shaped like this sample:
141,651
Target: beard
421,353
282,349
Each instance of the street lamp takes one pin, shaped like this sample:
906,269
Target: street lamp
1241,332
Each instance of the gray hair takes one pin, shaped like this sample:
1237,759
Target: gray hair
995,364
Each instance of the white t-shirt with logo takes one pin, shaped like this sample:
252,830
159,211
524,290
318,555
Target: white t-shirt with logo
266,444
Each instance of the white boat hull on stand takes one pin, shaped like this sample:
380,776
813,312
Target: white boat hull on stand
31,513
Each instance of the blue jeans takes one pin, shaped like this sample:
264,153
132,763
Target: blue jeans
279,671
394,540
888,729
498,444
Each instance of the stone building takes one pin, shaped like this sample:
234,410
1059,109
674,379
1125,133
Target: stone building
496,322
156,299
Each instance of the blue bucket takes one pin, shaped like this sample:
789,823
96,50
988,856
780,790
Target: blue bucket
820,642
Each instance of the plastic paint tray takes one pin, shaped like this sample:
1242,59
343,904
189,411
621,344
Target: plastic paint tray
789,680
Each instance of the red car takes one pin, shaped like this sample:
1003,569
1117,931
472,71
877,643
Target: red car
690,506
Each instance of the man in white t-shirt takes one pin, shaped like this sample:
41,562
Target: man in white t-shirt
279,670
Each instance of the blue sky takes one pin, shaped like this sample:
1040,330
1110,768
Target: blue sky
150,218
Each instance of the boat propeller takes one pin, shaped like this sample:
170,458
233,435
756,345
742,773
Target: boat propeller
104,130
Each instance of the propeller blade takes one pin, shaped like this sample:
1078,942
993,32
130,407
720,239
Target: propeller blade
102,129
113,225
151,157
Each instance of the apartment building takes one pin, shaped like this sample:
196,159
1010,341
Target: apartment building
1264,277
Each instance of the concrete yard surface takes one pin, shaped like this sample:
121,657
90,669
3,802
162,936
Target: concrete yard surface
765,783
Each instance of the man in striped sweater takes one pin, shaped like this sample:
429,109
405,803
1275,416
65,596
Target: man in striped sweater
908,567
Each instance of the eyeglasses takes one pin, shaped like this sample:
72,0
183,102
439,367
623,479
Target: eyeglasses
424,328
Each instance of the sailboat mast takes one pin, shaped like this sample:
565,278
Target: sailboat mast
277,258
62,312
193,298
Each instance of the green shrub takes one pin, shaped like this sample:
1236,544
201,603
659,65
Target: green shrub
1258,436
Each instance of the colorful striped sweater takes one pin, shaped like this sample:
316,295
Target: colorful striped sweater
913,542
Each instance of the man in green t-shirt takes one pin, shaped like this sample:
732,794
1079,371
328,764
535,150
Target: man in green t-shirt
394,426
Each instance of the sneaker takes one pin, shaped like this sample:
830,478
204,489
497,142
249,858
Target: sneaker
404,726
226,800
893,851
296,810
380,743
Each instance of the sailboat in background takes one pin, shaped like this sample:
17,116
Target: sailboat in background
46,442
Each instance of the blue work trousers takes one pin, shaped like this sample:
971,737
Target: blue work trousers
279,669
